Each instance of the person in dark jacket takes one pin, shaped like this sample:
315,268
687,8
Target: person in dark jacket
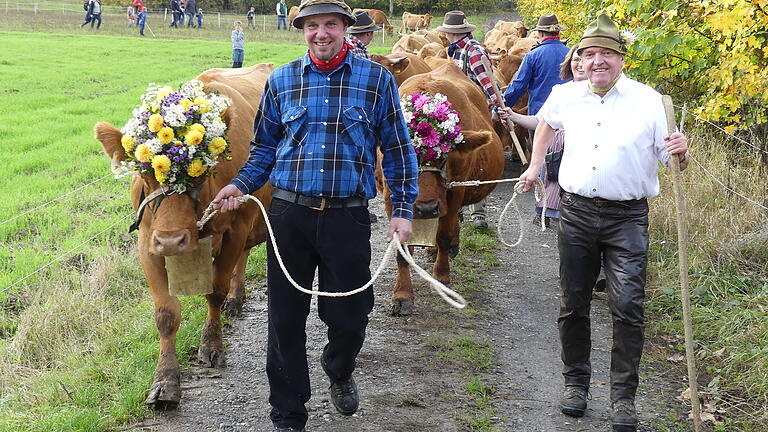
190,9
88,6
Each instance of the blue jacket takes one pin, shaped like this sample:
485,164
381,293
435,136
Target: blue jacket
539,72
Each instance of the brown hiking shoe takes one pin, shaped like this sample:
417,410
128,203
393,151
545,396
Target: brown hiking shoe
573,402
624,416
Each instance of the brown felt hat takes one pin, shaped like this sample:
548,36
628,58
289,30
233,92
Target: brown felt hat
319,7
455,22
363,23
549,23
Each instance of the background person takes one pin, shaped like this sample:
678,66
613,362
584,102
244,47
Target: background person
616,135
238,45
315,139
96,14
251,17
141,15
199,18
361,34
130,14
88,6
467,53
282,10
539,72
190,9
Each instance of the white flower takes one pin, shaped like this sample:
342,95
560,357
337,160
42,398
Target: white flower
408,115
459,139
174,116
628,37
154,145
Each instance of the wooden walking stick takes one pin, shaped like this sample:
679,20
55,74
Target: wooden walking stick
682,245
500,98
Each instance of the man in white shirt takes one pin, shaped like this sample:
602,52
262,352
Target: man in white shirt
616,136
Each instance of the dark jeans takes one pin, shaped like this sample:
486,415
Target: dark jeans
336,242
281,19
95,17
619,231
141,20
190,20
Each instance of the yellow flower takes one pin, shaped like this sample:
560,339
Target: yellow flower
161,177
143,154
177,143
193,138
161,163
198,127
196,168
155,122
165,135
217,145
203,104
128,143
163,92
186,103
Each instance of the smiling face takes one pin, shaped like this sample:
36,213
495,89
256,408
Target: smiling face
602,65
324,34
577,68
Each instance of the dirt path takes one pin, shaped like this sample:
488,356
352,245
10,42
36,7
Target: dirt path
406,374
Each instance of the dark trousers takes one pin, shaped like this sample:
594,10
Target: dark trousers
619,231
336,242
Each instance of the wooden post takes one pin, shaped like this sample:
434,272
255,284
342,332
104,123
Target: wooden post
500,98
165,15
682,248
219,15
265,23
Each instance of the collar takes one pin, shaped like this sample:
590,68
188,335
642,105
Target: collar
620,86
306,62
461,43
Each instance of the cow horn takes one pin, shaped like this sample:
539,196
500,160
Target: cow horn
495,57
397,60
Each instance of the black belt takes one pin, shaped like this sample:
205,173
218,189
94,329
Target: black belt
318,203
602,202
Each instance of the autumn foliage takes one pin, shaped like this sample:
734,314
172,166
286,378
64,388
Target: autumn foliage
711,53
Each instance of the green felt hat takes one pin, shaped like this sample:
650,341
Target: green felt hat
603,33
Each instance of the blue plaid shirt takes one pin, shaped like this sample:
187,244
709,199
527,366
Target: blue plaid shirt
315,134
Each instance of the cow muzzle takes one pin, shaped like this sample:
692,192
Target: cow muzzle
167,243
426,210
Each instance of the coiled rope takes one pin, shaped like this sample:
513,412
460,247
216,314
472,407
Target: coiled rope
451,297
538,191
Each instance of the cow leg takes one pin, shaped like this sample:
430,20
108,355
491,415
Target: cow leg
211,351
447,242
402,298
233,305
166,385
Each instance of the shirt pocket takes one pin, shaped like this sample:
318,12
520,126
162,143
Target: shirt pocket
294,122
357,127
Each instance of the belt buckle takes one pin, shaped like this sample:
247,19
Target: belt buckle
323,201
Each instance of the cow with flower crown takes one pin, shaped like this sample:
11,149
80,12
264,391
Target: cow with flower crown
453,135
181,147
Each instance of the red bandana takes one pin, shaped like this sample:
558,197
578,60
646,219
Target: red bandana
332,63
551,37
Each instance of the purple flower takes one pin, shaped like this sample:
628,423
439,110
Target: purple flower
441,113
424,129
419,100
445,146
430,155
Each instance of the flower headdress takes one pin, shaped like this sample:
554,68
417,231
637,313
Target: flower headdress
177,136
627,38
433,125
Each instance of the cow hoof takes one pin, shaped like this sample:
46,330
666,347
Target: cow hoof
402,307
211,358
164,395
232,307
453,251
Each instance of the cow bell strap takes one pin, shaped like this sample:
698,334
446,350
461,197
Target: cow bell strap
160,192
440,170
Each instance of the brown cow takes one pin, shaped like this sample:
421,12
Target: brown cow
433,49
479,157
516,28
379,17
438,61
410,43
415,22
292,14
496,41
505,66
433,36
171,230
402,65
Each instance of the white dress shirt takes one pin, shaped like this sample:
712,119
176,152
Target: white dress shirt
612,144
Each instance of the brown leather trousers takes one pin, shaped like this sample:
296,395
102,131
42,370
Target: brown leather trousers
616,232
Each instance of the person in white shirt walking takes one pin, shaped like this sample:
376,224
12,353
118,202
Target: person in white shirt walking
616,135
282,11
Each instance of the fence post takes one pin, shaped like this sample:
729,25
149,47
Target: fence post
35,8
64,11
265,23
165,15
219,15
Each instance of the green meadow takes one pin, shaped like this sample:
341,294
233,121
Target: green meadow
79,342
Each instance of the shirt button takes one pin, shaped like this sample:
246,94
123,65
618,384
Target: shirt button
325,123
326,101
593,168
359,117
598,123
595,145
328,78
602,101
293,117
322,170
594,190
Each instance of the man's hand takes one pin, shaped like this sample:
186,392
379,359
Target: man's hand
530,177
677,143
226,199
402,226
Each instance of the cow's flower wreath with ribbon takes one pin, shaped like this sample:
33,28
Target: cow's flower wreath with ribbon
433,125
176,135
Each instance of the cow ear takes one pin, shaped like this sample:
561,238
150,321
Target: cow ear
474,140
110,136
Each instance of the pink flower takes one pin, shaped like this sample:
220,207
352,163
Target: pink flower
424,129
445,146
441,113
419,100
430,155
432,139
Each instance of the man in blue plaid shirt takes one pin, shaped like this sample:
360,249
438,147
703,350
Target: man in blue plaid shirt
315,139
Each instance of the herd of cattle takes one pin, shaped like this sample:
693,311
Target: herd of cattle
419,63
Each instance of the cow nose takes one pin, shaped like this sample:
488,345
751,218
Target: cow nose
426,210
171,243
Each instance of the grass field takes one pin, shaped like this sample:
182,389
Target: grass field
77,339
